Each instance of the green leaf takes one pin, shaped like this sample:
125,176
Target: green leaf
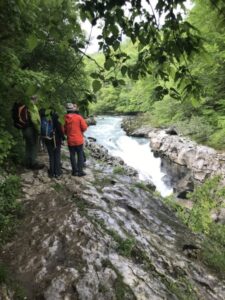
124,70
121,82
96,85
108,63
116,45
115,82
32,42
114,30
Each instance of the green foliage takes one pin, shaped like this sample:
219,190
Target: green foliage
9,207
126,246
143,186
58,187
119,170
6,143
214,248
206,197
217,139
197,127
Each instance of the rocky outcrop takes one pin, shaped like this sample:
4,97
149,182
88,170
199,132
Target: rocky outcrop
103,236
185,162
202,161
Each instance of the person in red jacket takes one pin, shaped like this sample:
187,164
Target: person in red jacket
74,128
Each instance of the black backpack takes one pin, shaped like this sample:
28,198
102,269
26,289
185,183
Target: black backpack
20,116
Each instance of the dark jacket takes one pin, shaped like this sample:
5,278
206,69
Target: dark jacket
58,128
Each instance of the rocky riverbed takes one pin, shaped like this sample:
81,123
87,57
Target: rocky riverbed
103,236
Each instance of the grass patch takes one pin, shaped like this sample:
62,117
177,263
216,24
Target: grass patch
58,187
125,246
119,170
82,206
183,289
5,278
100,183
142,186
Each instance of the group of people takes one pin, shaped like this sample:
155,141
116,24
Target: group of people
74,127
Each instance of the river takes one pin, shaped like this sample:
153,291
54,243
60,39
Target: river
135,152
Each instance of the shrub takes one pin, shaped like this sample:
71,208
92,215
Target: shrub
119,170
6,143
9,208
197,128
206,197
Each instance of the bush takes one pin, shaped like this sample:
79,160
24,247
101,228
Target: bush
197,128
6,143
217,139
206,197
9,208
119,170
214,248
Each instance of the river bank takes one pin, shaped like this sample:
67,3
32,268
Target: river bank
199,162
103,236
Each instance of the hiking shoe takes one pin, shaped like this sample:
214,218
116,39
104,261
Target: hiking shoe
74,173
81,174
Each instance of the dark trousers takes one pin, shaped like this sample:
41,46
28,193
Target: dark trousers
54,154
31,146
76,162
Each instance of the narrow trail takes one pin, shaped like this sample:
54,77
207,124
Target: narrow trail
103,236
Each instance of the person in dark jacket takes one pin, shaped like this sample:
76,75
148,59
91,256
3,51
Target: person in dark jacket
54,144
74,128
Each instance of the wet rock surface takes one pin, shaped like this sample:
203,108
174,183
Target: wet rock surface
103,236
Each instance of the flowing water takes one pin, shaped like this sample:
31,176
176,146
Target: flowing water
134,151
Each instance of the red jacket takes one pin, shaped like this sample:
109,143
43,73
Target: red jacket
74,127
